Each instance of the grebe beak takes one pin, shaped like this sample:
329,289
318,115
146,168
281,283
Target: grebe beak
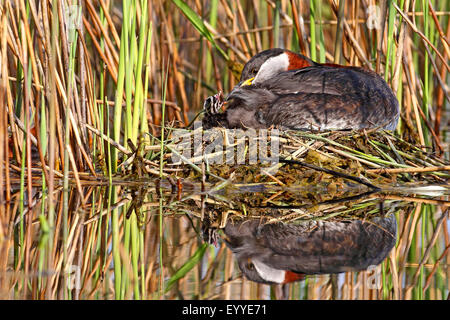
247,82
238,86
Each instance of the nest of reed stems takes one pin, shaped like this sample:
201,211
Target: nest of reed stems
334,175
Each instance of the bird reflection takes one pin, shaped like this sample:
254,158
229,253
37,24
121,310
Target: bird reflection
280,253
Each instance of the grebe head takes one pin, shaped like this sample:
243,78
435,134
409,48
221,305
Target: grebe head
268,63
213,104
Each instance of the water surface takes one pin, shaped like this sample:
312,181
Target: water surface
152,240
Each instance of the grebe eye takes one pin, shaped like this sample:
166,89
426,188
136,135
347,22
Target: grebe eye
250,266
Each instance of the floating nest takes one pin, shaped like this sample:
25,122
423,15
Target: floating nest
376,157
312,175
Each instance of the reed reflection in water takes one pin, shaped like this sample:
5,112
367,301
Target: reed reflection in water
376,247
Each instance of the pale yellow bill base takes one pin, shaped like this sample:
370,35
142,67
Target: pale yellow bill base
247,82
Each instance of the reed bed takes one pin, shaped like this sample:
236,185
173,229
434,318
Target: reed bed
92,91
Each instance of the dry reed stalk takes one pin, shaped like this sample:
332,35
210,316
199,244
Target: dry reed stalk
428,248
422,36
417,200
409,236
109,64
251,49
440,94
104,32
435,266
409,73
409,170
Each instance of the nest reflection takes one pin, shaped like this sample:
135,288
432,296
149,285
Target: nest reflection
280,236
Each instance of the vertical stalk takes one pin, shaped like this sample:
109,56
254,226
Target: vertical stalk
112,197
426,69
52,144
276,26
120,83
390,56
72,41
213,23
339,29
321,38
312,28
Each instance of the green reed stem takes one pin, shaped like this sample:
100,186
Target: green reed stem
213,23
126,249
312,28
163,119
130,58
144,123
135,235
139,90
120,82
322,49
198,23
390,56
112,198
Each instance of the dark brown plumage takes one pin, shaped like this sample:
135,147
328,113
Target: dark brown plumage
319,248
293,92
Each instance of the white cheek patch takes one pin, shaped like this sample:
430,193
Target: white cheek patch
271,67
268,273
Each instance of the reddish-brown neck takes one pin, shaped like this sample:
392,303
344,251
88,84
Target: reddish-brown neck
296,62
290,276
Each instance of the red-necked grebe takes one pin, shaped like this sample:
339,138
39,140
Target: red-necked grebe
287,90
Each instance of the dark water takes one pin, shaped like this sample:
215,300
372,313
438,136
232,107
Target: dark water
147,240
